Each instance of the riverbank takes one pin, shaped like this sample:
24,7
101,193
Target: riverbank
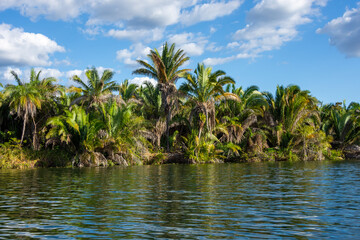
15,157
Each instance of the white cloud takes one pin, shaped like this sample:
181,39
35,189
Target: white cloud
129,56
271,23
209,11
137,35
54,9
344,32
136,13
141,80
192,44
143,18
213,48
49,72
139,13
23,48
219,61
71,73
233,45
7,76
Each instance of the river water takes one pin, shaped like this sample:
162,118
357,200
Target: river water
304,200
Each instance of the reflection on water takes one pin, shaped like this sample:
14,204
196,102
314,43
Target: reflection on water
262,200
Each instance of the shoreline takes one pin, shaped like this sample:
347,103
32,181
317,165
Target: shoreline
29,159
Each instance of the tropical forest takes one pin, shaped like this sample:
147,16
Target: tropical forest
190,116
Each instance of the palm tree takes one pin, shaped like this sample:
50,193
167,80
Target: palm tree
125,131
128,91
151,109
165,68
341,122
204,88
293,122
97,89
25,99
239,115
75,127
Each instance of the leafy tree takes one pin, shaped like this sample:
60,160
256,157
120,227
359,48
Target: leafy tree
240,115
292,119
96,90
125,131
165,68
25,99
204,88
75,128
342,123
128,91
151,109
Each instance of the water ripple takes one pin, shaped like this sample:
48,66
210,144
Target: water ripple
261,200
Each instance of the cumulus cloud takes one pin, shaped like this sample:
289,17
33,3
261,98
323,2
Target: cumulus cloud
49,72
344,32
213,48
270,24
129,56
209,11
71,73
23,48
54,9
7,76
219,61
141,80
135,13
192,44
137,35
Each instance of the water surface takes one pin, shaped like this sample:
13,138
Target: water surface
308,200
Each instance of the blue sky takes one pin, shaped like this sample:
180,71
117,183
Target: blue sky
311,43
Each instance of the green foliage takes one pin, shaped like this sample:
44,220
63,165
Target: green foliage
76,128
207,120
200,150
96,90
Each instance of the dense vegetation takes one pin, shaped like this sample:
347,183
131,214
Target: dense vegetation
206,119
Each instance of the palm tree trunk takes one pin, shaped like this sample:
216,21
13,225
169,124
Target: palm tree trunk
168,116
24,127
207,120
35,143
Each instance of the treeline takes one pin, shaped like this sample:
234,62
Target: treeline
206,119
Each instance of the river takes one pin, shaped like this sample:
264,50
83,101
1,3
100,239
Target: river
304,200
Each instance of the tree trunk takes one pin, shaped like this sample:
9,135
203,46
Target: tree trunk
35,139
168,116
207,120
24,126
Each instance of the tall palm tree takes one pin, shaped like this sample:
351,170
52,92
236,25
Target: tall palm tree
97,89
204,88
25,99
165,68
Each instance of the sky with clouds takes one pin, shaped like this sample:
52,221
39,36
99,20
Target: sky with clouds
311,43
